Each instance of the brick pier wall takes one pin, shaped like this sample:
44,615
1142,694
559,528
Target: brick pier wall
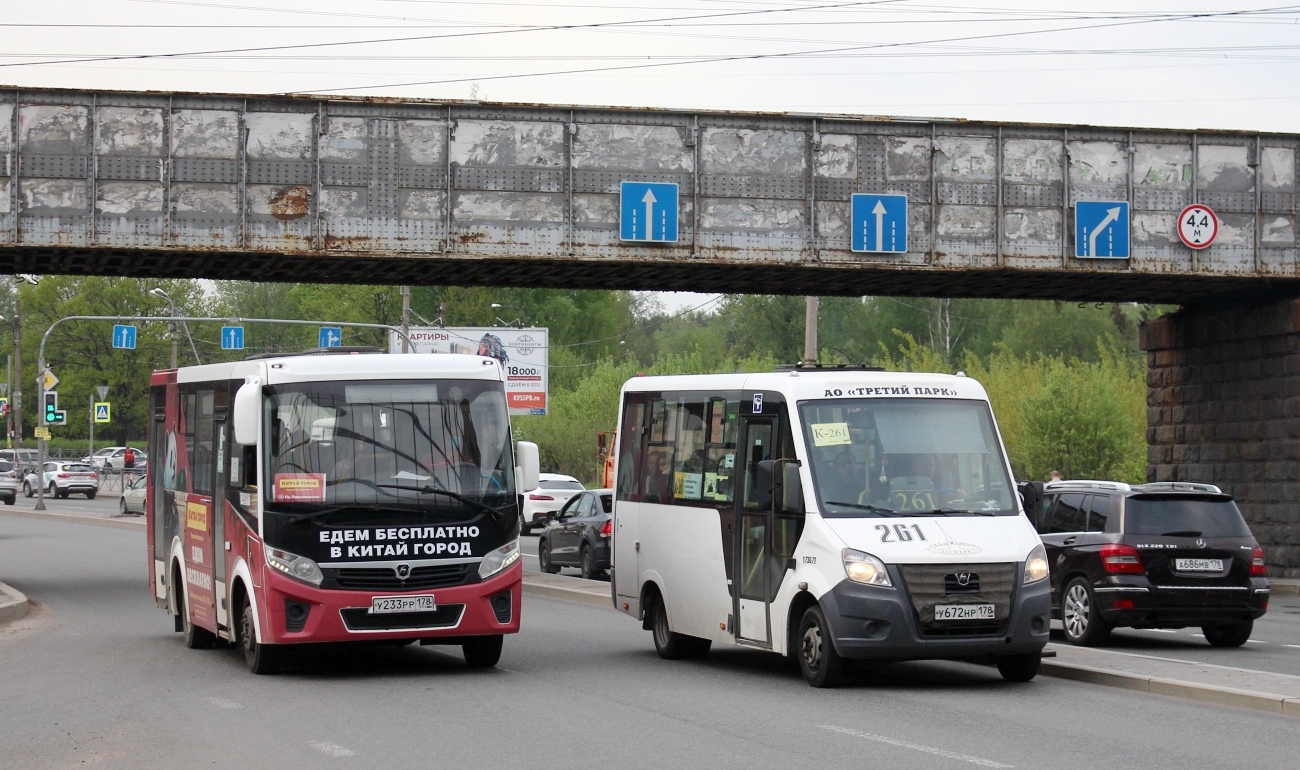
1223,407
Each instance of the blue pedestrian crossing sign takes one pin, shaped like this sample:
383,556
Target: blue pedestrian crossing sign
102,411
124,336
1101,230
648,212
330,337
878,223
232,338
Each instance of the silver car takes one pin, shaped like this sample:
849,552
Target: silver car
8,482
132,500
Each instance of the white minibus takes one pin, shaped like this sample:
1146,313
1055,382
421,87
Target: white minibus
829,514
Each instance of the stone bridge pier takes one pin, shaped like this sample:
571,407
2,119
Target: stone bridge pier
1223,407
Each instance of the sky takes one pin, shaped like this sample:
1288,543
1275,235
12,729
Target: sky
1211,64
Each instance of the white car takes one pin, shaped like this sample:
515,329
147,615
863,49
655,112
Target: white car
541,504
132,500
63,478
110,457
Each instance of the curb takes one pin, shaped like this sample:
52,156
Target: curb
1206,693
567,594
13,604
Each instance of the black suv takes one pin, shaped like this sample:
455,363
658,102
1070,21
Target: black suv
1159,555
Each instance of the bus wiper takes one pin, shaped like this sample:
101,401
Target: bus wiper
1182,533
952,511
867,508
429,489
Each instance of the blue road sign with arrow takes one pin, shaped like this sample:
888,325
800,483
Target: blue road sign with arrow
124,336
648,212
1101,230
329,337
232,338
878,223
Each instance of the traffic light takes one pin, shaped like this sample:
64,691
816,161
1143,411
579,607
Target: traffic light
52,414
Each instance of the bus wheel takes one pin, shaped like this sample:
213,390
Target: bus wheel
260,658
819,663
671,645
196,638
482,651
1019,668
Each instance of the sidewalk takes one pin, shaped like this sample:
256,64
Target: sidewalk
1259,690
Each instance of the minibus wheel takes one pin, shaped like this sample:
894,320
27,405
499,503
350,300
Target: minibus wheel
671,645
260,658
819,663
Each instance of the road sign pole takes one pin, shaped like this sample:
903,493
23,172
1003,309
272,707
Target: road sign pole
91,415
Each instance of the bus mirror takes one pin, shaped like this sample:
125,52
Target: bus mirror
248,411
526,455
791,492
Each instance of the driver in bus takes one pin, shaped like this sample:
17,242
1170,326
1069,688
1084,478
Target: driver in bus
846,481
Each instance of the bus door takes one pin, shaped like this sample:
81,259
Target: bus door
752,581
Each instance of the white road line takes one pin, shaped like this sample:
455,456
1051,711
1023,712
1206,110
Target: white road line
916,747
1292,646
225,703
332,749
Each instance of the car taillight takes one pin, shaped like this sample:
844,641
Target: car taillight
1257,562
535,496
607,528
64,475
1121,559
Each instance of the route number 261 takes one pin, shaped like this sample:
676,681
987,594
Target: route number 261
900,533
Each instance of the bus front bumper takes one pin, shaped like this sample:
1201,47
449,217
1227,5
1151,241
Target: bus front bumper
295,613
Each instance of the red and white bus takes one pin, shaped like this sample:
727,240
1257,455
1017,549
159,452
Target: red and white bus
344,497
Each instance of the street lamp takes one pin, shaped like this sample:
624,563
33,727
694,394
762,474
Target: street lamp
158,292
519,320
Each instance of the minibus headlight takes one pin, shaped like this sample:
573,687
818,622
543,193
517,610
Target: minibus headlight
1036,565
865,568
499,559
293,565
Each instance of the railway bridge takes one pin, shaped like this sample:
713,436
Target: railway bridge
285,188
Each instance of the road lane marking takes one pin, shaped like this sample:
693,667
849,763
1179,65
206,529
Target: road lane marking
916,747
332,749
225,703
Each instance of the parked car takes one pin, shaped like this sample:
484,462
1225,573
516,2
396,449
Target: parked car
132,500
8,482
109,458
62,478
579,535
26,460
541,504
1159,555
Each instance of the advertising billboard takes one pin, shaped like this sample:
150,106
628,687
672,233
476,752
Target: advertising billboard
523,355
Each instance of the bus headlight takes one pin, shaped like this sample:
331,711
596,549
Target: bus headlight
293,565
865,568
499,559
1036,565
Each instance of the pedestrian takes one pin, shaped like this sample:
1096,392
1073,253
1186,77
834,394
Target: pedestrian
128,464
1054,476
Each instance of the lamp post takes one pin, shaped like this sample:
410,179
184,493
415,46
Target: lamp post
158,292
519,320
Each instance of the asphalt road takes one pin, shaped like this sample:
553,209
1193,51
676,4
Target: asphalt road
96,676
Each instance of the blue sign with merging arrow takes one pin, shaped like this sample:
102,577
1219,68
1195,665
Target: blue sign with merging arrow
1101,230
124,336
232,338
648,212
878,223
329,337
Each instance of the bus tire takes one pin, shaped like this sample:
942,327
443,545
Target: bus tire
819,663
482,651
261,659
1019,668
195,638
671,645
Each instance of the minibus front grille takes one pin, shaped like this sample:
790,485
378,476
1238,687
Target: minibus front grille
930,585
386,579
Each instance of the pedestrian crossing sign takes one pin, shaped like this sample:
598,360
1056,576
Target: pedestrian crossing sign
101,411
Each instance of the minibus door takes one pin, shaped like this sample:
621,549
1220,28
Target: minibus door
751,577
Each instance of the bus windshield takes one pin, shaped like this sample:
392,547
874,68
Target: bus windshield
426,445
906,457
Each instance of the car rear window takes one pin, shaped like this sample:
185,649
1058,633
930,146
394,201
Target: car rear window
547,484
78,468
1185,516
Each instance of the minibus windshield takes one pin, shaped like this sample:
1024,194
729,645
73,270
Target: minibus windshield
880,457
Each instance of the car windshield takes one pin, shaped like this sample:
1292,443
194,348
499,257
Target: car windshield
1184,516
906,457
390,444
